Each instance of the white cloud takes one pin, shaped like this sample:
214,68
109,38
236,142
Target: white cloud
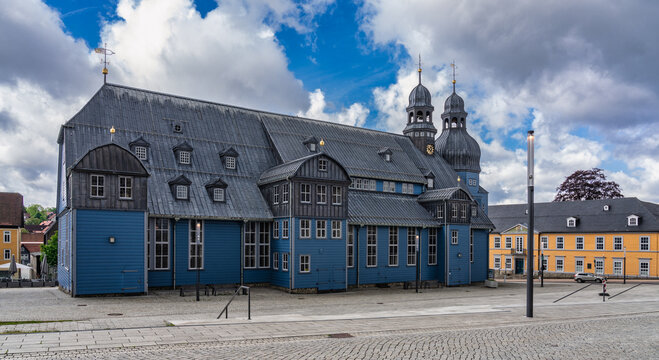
355,115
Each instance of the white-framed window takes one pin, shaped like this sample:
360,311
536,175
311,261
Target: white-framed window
284,261
440,211
599,266
432,246
617,243
645,243
463,211
125,187
578,264
509,263
305,193
454,210
371,246
363,184
474,211
559,242
497,242
218,194
472,182
644,268
284,195
140,152
497,262
184,157
599,243
544,263
275,260
579,243
305,228
336,229
544,242
617,267
321,229
411,246
230,162
7,254
275,194
196,245
250,245
560,262
408,188
632,220
350,251
519,244
571,222
97,186
431,183
337,196
275,229
454,237
284,229
509,242
181,192
7,236
389,186
161,230
393,246
322,164
321,194
264,245
305,263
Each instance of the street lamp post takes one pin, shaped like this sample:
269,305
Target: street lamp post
529,260
418,273
624,265
197,238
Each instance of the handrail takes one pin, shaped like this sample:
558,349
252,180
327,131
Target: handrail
225,311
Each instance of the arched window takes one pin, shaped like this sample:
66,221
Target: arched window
419,116
411,117
462,122
446,124
454,122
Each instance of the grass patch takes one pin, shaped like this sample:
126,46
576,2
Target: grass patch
3,323
167,323
12,332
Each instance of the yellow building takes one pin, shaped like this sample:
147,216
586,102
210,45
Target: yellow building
11,222
610,237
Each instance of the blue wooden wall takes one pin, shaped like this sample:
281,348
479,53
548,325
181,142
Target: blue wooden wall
328,259
481,255
63,248
458,256
280,246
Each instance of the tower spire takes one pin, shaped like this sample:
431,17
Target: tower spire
105,51
419,68
453,66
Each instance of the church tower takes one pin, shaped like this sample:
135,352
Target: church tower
419,127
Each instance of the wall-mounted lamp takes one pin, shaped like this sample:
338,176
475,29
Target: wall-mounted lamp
112,239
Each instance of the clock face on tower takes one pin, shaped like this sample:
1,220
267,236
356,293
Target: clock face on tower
430,149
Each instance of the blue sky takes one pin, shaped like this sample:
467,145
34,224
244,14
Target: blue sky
588,88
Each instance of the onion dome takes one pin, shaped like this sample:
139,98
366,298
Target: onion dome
420,96
455,144
454,104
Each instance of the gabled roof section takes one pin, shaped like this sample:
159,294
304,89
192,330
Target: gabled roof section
217,183
184,146
111,159
454,193
385,151
11,209
139,142
373,208
481,221
230,151
180,180
288,170
310,140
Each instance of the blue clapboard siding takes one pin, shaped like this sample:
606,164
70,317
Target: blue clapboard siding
328,259
221,253
64,249
280,246
459,265
104,268
480,264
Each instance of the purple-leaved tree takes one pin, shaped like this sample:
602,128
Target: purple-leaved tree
587,185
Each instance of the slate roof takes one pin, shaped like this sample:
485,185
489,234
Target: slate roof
11,209
440,194
375,208
284,171
552,217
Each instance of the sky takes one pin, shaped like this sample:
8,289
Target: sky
582,75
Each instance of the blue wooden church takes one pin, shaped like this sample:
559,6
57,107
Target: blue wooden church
154,187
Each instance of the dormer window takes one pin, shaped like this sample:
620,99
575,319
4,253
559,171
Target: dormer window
183,152
184,157
311,143
571,222
431,183
229,157
632,220
140,152
181,192
430,180
216,190
385,153
322,164
230,162
180,187
218,194
606,208
139,147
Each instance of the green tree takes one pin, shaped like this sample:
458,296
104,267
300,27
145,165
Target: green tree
50,250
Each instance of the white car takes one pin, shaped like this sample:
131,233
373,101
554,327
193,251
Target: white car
581,277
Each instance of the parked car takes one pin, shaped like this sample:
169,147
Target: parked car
581,277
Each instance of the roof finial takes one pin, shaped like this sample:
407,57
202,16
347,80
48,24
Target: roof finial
453,66
419,68
105,51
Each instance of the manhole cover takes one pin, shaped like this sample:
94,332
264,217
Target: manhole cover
114,314
340,336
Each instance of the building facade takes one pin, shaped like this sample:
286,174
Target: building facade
11,222
612,237
154,189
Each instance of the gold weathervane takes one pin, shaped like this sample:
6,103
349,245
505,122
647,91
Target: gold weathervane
105,51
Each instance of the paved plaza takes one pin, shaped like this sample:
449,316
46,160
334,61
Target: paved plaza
460,322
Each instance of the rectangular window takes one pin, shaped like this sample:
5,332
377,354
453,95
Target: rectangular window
230,162
509,242
632,221
617,267
250,245
519,244
305,193
599,243
431,183
275,229
196,245
509,263
322,164
181,192
411,246
472,182
440,211
497,242
284,229
140,152
275,260
463,211
184,157
97,183
218,194
617,243
599,266
454,210
350,251
7,236
408,188
432,246
321,194
559,264
571,222
645,243
321,229
497,262
284,195
393,246
7,254
371,246
454,237
389,186
161,244
544,263
284,261
305,263
578,265
305,228
337,196
336,229
275,194
264,245
559,242
579,242
644,268
544,242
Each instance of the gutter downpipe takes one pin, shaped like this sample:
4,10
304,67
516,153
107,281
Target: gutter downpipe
291,238
242,253
174,254
446,248
357,263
